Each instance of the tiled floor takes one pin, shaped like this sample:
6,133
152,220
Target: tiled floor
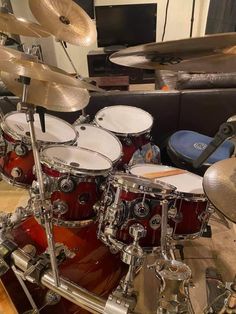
220,251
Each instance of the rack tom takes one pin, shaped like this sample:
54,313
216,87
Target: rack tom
131,125
17,161
74,176
189,212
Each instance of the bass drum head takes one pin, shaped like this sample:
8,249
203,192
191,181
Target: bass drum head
75,160
188,183
124,120
99,140
57,130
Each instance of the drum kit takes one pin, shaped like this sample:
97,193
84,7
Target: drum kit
94,215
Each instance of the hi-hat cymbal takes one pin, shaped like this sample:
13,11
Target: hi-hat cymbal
219,184
13,25
66,20
50,95
19,63
214,53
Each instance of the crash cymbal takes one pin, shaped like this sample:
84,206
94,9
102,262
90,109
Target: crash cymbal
214,53
66,20
19,63
50,95
19,26
219,183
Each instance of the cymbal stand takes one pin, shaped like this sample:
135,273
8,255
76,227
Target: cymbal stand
45,212
164,217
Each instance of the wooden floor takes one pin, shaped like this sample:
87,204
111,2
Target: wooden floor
219,251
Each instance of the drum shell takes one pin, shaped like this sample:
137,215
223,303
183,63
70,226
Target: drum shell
130,145
86,187
93,268
191,219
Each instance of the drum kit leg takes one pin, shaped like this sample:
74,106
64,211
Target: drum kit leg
90,227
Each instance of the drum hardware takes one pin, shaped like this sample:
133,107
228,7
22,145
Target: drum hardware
66,184
214,53
45,212
229,306
66,289
59,208
26,291
82,119
132,255
226,130
164,222
174,277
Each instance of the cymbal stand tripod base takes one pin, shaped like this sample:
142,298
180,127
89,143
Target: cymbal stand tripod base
45,211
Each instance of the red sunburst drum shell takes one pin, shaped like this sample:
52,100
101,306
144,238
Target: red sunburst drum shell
93,267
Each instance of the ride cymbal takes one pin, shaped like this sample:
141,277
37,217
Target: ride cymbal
50,95
66,20
19,26
219,183
214,53
19,63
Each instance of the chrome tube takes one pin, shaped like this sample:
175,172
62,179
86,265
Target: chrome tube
164,218
67,289
39,174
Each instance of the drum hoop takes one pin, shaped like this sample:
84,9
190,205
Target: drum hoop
26,139
139,188
112,134
126,134
191,196
13,182
62,168
188,196
73,223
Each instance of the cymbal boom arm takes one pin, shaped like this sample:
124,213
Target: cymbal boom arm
46,213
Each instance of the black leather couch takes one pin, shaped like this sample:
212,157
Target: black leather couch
202,111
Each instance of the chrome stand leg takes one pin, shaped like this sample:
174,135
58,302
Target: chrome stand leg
164,217
46,213
26,291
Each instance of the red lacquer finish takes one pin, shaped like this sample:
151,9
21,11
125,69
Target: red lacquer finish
23,163
93,267
190,217
136,142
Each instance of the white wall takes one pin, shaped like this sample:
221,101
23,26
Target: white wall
178,26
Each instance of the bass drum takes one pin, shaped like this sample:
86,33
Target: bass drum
93,268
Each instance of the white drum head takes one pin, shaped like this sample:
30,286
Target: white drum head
124,120
57,130
99,140
74,158
188,182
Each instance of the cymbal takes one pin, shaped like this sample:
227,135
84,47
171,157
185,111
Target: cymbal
50,95
66,20
19,63
19,26
214,53
219,183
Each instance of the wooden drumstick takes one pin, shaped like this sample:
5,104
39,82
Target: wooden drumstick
160,174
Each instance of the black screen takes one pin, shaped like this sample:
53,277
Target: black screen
87,5
127,25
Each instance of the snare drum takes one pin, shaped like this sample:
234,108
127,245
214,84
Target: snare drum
190,211
74,175
99,140
17,161
130,124
138,202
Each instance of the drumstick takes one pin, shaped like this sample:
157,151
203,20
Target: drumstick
160,174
